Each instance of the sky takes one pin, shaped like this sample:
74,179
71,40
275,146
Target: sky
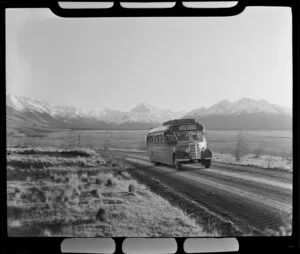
170,63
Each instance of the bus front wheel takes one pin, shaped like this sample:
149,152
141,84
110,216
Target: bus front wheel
207,163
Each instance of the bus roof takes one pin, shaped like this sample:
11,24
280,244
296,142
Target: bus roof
160,129
173,125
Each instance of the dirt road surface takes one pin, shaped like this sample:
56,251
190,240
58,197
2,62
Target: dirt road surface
251,199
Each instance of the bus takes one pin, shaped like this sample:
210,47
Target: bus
177,142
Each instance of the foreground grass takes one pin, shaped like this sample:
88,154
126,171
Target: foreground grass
50,194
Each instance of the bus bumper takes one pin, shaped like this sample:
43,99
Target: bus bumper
183,160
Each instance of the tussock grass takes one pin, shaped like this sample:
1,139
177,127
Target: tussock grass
110,182
47,233
131,188
14,223
101,214
98,181
96,193
80,201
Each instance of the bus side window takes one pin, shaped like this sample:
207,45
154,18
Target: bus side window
166,137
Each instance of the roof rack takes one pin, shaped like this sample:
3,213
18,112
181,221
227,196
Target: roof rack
180,121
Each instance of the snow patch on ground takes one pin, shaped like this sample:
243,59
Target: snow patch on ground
262,161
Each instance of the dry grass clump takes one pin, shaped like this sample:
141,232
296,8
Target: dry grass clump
84,177
74,180
46,233
67,194
79,187
110,182
17,190
101,214
37,195
14,223
96,193
126,175
98,181
131,188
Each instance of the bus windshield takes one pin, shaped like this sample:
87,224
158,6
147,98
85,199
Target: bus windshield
189,135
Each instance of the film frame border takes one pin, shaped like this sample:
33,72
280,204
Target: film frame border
52,245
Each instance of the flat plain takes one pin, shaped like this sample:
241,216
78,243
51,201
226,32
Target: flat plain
276,143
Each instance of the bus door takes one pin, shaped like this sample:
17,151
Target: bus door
170,143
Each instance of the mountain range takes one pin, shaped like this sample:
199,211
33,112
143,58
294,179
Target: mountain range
24,113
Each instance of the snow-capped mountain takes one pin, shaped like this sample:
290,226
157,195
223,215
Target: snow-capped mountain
147,113
245,113
242,106
142,116
26,104
225,115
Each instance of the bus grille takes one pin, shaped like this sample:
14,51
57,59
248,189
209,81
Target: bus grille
195,151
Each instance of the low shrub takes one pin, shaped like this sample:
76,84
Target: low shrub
101,214
96,193
110,182
131,188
